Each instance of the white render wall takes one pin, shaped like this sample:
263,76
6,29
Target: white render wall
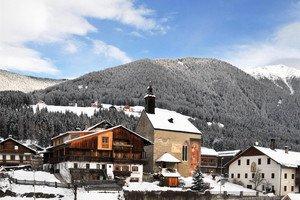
265,168
288,182
64,169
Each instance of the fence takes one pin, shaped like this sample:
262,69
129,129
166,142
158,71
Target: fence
45,183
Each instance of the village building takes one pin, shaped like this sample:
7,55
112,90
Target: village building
171,133
209,160
223,158
100,152
14,153
214,162
277,169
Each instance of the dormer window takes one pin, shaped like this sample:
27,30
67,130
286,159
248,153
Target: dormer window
171,120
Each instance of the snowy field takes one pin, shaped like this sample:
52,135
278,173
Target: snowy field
66,194
30,175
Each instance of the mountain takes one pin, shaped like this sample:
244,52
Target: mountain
211,91
283,76
17,82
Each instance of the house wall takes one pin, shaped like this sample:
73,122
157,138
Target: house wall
288,181
265,168
64,169
145,129
172,142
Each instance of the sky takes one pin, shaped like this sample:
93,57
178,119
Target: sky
66,39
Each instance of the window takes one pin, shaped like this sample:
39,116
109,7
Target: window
262,175
21,158
253,174
239,162
105,143
27,157
269,161
75,165
292,188
98,166
87,166
232,175
259,161
285,176
263,187
103,167
184,153
12,157
4,157
284,188
134,168
293,176
238,175
16,147
249,186
248,161
246,175
273,188
272,175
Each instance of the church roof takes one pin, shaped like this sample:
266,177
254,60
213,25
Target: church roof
166,157
170,120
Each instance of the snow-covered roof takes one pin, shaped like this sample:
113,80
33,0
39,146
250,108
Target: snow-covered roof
170,173
166,157
20,143
228,153
208,152
290,159
170,120
148,142
293,196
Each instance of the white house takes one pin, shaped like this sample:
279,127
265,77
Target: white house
279,169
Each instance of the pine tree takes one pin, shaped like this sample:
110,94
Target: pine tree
198,183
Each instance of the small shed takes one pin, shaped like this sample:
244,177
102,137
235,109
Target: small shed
169,175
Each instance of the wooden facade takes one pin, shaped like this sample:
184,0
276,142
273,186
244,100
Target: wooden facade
14,153
117,145
209,164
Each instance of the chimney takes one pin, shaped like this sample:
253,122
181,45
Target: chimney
286,149
9,136
150,100
273,144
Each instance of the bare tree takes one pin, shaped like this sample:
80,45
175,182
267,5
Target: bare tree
257,178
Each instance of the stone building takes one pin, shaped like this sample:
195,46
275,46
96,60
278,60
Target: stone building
278,169
170,132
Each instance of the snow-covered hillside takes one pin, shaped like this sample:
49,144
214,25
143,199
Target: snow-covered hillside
276,73
13,81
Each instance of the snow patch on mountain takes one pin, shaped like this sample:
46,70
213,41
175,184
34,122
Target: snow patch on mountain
17,82
275,73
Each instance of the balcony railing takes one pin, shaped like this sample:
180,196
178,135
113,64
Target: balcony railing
96,159
122,173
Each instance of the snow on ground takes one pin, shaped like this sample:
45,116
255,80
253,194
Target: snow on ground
147,186
231,188
67,194
89,111
30,175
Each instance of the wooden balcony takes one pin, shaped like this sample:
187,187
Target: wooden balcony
122,173
96,159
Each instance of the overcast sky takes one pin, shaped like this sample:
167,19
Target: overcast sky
65,39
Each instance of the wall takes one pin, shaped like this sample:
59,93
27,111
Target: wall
288,182
145,129
265,168
172,142
185,195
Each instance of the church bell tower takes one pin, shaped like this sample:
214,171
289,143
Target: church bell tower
150,100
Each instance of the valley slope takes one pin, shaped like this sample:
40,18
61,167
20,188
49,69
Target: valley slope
208,89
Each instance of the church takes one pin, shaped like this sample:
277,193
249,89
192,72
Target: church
176,141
